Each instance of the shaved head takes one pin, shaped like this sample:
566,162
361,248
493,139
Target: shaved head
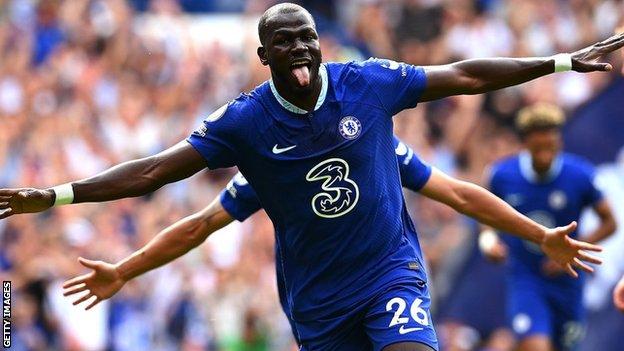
274,12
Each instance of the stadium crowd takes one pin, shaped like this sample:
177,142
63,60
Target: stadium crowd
88,84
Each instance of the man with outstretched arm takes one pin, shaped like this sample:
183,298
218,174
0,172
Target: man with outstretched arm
238,201
315,143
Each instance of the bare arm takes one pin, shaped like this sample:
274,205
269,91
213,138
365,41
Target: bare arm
482,75
129,179
175,241
474,201
607,223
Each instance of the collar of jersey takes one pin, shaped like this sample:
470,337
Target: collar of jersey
526,168
292,108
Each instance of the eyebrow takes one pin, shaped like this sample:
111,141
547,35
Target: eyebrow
302,28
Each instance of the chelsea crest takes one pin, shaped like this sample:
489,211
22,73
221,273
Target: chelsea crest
350,127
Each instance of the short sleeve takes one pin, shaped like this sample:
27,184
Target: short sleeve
239,199
414,172
593,194
398,85
213,139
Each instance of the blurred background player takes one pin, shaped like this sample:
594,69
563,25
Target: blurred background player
544,306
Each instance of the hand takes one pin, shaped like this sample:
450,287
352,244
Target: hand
25,200
551,268
102,283
584,60
567,252
618,295
495,252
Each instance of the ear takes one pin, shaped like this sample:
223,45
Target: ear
262,55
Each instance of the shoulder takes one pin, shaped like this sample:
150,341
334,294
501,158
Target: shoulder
353,69
505,166
247,104
503,170
578,164
368,66
235,112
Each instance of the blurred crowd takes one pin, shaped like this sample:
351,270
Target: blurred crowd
88,84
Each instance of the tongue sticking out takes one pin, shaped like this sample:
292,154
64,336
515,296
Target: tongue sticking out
302,74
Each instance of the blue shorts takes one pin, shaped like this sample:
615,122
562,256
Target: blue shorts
398,314
538,306
479,281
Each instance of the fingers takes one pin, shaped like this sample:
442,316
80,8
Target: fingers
614,43
76,281
6,213
95,302
75,290
83,299
8,192
4,205
567,229
88,263
589,258
612,39
570,271
597,67
580,264
582,245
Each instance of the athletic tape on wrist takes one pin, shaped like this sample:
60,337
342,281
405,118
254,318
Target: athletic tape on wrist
487,240
64,194
563,62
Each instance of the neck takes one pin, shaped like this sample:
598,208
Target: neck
541,172
304,98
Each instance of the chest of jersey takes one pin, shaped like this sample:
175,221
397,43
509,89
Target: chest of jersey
325,159
551,204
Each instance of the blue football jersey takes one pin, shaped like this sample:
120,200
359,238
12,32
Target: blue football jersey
328,179
240,200
556,200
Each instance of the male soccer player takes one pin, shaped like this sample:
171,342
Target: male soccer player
315,143
545,307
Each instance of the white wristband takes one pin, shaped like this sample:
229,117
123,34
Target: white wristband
563,62
487,240
64,194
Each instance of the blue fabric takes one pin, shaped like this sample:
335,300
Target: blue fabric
460,304
240,200
550,304
539,307
555,202
334,196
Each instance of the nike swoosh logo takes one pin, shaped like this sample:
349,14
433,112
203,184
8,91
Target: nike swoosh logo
404,330
277,150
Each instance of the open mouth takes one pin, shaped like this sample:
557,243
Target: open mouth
300,68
